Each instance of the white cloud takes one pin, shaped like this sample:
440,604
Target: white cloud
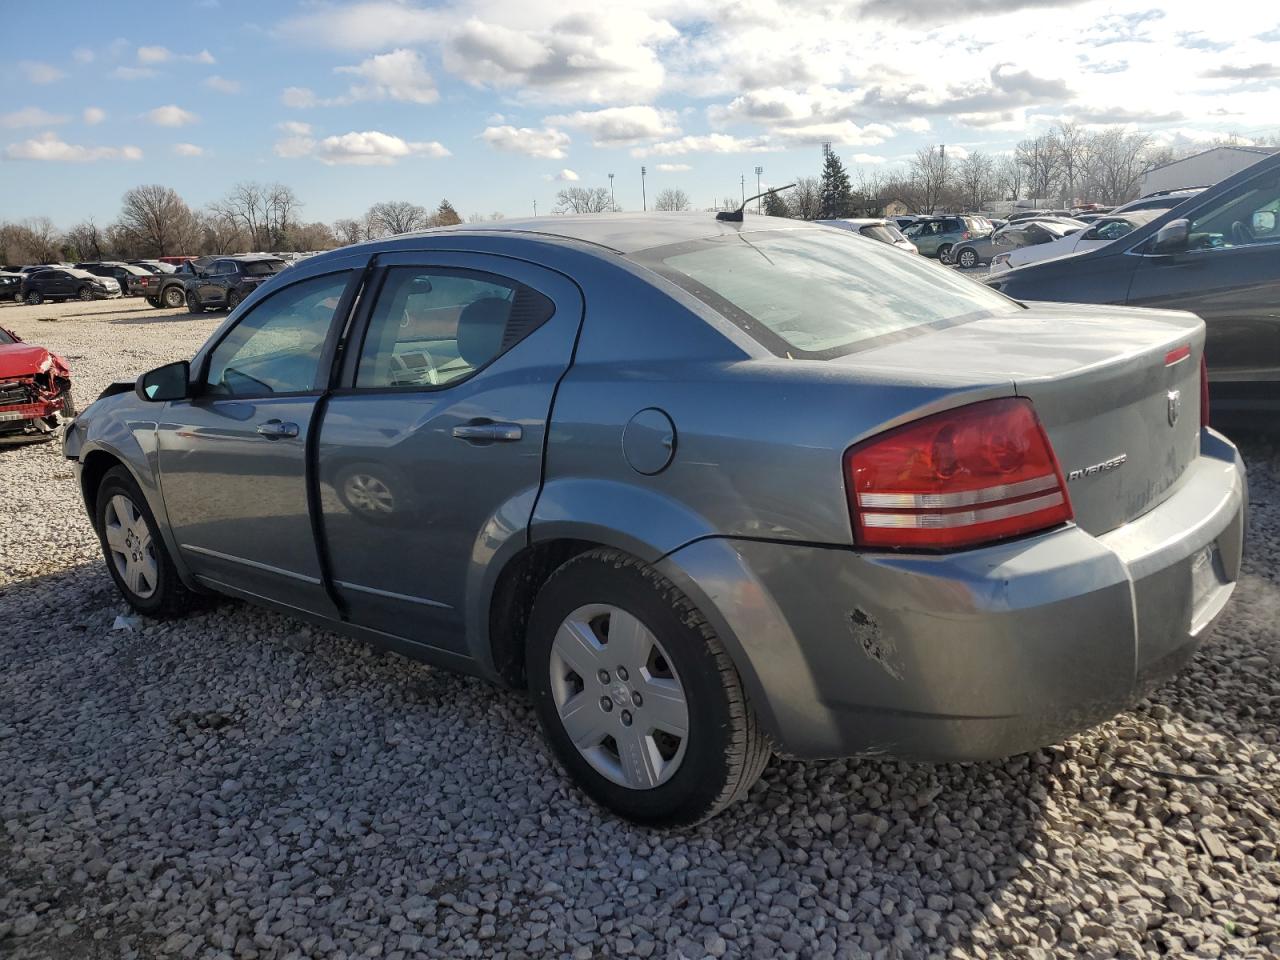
82,55
188,150
295,127
171,115
148,55
204,56
672,167
547,143
222,84
868,158
620,126
298,97
40,73
94,115
32,117
48,147
399,75
366,26
565,176
706,143
367,148
132,73
915,125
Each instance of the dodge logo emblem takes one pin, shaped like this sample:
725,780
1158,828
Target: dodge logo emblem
1175,406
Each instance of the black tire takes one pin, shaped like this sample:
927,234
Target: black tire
171,597
84,294
233,300
726,751
967,258
155,302
944,253
68,408
193,303
34,298
173,297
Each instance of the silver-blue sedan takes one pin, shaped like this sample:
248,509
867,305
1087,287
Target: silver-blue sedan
708,490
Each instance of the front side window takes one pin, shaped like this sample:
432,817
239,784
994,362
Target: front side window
276,348
1245,217
814,294
1113,230
432,327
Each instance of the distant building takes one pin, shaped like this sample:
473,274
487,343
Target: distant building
1203,169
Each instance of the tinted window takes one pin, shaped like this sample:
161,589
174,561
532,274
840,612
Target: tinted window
260,268
811,294
883,233
5,338
432,327
1245,217
276,347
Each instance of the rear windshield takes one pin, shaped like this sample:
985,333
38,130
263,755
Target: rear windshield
262,268
815,294
882,232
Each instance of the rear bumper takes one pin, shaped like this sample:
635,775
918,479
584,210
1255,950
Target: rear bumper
979,654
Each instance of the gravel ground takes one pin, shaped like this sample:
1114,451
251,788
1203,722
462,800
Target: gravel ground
238,784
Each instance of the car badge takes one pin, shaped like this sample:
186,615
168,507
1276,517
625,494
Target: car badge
1175,406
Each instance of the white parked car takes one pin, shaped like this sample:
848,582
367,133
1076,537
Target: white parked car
1097,234
877,228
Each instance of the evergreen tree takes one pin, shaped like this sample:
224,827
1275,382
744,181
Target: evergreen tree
836,194
446,215
775,205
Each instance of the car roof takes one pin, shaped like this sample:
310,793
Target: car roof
620,232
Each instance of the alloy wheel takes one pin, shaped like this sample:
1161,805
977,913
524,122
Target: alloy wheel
132,550
34,299
368,494
173,297
618,696
968,259
85,294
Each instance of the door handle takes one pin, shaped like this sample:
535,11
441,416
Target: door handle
276,429
486,431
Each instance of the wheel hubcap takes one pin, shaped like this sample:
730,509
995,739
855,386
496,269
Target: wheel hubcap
618,696
131,548
369,494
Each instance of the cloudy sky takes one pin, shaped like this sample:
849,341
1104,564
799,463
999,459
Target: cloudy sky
498,103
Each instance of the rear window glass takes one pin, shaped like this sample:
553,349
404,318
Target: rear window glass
260,268
881,232
814,294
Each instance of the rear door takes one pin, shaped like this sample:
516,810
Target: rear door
1230,276
432,448
233,460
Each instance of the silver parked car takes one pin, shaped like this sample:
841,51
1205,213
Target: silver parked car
708,490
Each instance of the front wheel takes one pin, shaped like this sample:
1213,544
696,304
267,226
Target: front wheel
636,695
944,253
84,294
34,299
193,304
233,301
136,556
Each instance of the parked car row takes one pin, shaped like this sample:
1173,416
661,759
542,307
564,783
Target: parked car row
937,236
876,228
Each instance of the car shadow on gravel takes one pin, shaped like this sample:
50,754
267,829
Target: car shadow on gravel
239,783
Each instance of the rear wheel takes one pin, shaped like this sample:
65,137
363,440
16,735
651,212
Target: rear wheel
193,303
154,301
136,556
84,294
636,695
174,297
34,298
967,258
944,253
233,300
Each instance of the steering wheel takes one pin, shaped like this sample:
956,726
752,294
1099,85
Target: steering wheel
406,375
1241,234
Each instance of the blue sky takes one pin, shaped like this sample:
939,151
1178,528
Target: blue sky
497,103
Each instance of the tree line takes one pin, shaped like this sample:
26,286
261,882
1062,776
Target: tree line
154,221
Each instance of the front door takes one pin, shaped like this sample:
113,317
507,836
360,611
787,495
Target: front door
1230,277
434,444
233,465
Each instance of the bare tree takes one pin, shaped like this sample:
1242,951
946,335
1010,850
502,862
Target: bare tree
312,236
1041,158
672,198
974,175
84,241
221,232
1121,159
805,201
32,241
1074,146
399,216
265,210
1009,177
583,200
155,220
347,231
929,174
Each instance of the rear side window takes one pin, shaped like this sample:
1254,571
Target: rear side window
881,232
432,327
260,268
814,294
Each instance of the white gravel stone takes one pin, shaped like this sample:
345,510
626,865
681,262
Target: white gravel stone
240,784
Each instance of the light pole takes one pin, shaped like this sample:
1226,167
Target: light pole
759,201
742,180
613,202
535,208
644,200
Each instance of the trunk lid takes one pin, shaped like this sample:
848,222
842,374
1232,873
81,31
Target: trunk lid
1123,420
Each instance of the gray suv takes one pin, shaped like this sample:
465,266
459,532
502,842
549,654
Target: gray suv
936,236
707,490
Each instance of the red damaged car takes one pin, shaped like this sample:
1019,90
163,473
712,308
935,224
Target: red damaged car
35,388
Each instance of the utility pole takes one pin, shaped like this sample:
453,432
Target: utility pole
742,178
535,208
759,200
644,200
612,201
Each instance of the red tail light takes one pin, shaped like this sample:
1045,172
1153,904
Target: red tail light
965,235
972,475
1204,393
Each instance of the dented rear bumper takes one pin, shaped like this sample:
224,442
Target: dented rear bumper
978,654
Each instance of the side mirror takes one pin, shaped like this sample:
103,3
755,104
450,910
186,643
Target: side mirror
1173,237
170,382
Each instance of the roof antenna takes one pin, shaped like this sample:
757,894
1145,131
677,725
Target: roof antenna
735,216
